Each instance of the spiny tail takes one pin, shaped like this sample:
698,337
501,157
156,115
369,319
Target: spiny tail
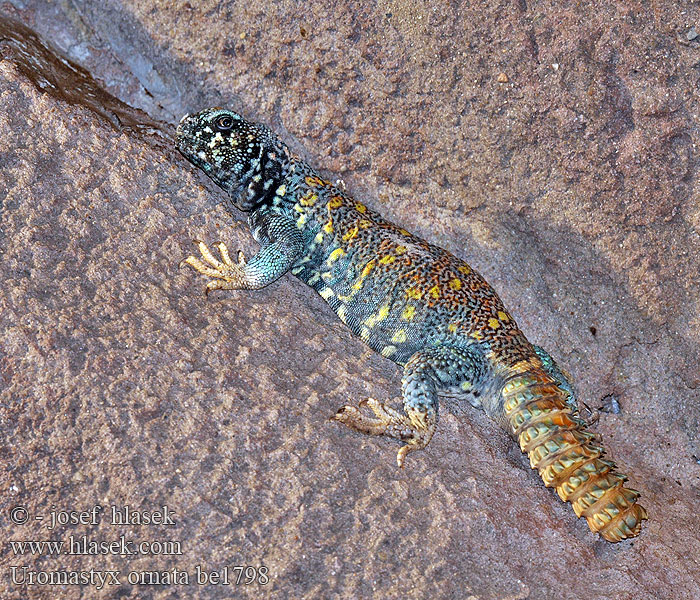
563,452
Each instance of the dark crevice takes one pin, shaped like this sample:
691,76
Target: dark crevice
52,72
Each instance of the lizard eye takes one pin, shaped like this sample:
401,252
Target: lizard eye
224,123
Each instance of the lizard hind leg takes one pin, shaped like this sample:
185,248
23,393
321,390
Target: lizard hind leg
426,372
414,430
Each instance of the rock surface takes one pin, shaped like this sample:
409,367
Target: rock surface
571,184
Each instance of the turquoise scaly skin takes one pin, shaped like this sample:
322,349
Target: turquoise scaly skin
413,302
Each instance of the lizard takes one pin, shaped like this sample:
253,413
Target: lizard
414,303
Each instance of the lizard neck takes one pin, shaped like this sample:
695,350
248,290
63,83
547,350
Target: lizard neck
265,183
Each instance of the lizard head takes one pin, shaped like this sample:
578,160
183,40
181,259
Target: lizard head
246,159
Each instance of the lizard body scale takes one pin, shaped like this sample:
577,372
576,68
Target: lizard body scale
411,301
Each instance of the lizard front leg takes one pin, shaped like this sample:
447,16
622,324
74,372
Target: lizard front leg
280,247
426,372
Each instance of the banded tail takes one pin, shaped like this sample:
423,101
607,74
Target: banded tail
566,457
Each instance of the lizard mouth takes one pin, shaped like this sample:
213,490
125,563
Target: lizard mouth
183,131
185,141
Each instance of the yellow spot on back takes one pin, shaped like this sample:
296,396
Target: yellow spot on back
281,190
387,351
302,220
380,315
335,202
503,316
455,284
466,386
414,293
404,232
494,323
319,238
435,291
335,255
328,227
359,207
477,335
399,337
368,268
309,199
464,269
408,313
400,250
313,181
452,327
357,286
365,223
351,234
387,260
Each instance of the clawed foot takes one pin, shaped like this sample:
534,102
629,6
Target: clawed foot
227,274
386,421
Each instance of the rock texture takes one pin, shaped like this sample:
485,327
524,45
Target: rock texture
554,148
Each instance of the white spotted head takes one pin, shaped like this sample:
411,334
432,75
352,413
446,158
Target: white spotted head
246,159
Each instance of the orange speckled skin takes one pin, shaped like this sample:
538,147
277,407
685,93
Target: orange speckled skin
411,301
361,263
